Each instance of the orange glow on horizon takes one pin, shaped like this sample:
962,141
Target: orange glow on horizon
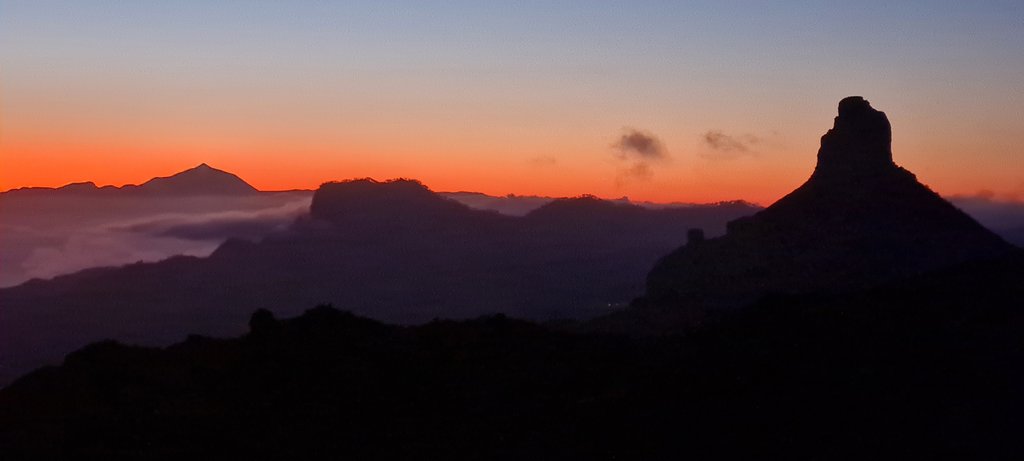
120,165
570,159
290,95
80,164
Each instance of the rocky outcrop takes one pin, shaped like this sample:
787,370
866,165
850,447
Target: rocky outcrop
858,221
374,204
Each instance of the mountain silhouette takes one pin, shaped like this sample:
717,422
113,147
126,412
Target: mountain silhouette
200,180
394,206
197,181
393,251
867,315
858,221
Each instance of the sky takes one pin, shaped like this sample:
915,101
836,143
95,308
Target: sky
505,97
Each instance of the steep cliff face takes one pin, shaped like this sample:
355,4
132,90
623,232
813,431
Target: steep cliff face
859,220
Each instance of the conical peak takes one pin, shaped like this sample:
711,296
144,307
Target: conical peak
199,180
202,168
859,142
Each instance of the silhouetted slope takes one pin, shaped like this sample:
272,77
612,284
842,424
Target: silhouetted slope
393,251
858,221
1015,235
923,368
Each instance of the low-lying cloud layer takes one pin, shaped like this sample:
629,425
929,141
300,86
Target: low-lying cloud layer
44,251
216,225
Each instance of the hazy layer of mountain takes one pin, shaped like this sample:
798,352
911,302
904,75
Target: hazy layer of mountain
1004,217
48,232
521,205
393,251
926,367
858,221
512,205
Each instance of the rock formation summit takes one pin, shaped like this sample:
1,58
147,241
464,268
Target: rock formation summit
860,220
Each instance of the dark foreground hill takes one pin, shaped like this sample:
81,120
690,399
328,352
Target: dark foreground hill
393,251
924,368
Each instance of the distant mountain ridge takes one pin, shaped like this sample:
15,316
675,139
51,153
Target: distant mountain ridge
392,250
199,180
1005,218
45,232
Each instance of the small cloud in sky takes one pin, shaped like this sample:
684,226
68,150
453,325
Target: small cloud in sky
1016,194
640,152
640,144
543,161
986,194
640,171
724,146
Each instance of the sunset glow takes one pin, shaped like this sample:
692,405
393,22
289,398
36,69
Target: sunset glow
502,99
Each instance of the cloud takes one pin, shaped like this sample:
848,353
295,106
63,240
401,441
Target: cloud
543,161
727,147
640,151
46,251
1016,195
218,225
638,144
1011,198
94,248
640,171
